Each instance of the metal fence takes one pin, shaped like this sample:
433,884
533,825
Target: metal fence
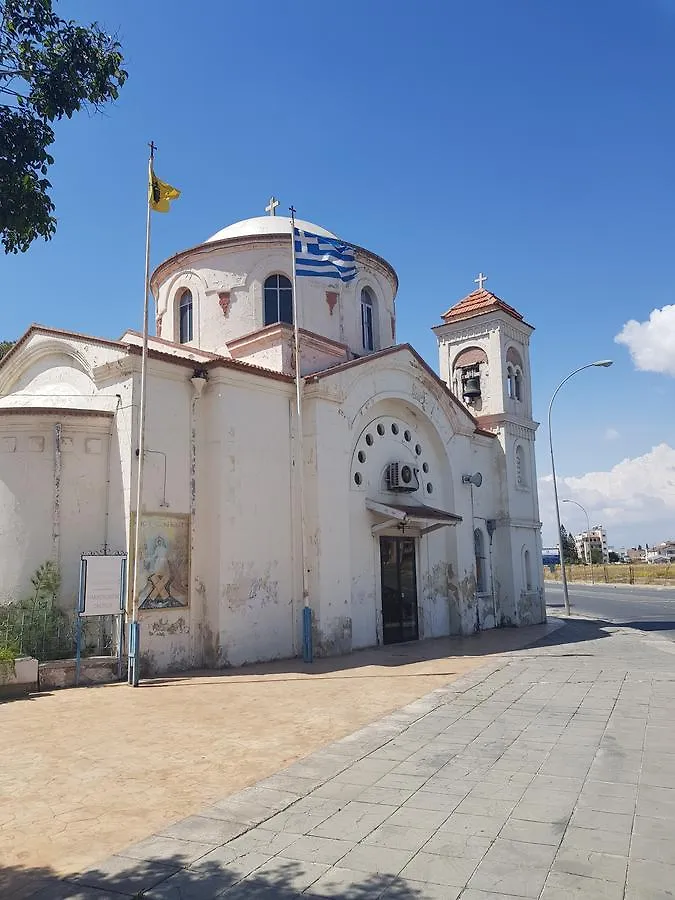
46,632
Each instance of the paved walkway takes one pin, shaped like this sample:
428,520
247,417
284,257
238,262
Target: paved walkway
547,773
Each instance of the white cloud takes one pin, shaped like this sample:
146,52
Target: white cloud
652,343
635,500
611,434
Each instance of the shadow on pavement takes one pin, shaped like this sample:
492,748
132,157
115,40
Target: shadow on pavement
277,879
483,643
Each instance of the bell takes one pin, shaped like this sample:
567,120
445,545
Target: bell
472,388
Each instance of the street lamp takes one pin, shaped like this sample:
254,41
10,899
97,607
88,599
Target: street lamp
602,363
588,534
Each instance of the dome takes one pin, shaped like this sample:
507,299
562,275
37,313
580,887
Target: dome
266,225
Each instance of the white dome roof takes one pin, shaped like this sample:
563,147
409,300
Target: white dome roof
266,225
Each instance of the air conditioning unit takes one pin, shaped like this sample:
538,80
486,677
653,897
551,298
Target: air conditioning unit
401,476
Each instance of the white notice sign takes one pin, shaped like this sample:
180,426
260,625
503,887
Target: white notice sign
104,580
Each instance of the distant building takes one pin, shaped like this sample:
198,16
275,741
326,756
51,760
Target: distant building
587,541
661,553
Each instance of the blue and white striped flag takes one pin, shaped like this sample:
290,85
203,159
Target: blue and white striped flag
322,257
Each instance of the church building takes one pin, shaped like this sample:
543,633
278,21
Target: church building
405,509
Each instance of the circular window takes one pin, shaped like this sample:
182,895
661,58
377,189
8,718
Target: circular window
369,440
430,487
418,450
407,435
425,467
380,429
394,428
361,456
357,478
406,474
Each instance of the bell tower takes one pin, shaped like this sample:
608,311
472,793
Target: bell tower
484,353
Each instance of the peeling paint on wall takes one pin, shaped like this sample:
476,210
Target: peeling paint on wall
334,639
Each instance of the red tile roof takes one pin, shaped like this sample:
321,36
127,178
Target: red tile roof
477,303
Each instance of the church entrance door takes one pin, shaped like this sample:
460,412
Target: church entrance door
399,590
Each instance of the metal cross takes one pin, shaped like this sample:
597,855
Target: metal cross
480,281
271,208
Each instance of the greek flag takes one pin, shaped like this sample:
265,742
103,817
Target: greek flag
322,257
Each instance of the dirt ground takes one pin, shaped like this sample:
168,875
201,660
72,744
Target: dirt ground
85,772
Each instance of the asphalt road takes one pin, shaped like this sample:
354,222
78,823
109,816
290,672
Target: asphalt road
643,608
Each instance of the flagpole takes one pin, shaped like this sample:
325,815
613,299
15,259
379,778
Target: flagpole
307,653
134,634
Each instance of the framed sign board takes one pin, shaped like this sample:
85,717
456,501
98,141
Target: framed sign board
103,585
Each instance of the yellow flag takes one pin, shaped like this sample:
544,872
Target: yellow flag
160,193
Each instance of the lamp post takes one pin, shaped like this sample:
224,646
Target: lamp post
588,534
602,363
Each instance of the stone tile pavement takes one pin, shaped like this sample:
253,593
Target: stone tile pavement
549,772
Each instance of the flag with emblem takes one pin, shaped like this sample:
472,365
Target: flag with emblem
323,257
160,193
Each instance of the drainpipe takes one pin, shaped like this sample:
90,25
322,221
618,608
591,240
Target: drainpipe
198,380
107,483
56,508
491,526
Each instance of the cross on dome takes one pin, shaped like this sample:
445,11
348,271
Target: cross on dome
271,207
480,281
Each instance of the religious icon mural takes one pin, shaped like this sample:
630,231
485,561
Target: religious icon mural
165,562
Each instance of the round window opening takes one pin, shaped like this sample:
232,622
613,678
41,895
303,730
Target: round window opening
380,429
357,478
418,450
425,467
407,435
394,428
369,440
361,456
430,487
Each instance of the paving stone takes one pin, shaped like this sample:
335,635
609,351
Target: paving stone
201,829
207,881
342,882
126,875
473,894
661,829
258,840
160,849
657,802
389,796
398,837
562,886
461,846
309,848
284,875
647,878
591,864
431,800
354,821
589,818
439,869
376,859
406,889
483,806
61,890
656,849
418,818
509,878
597,839
480,826
533,832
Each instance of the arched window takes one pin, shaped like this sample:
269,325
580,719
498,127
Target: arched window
367,308
514,371
278,300
521,468
479,550
185,317
527,570
509,381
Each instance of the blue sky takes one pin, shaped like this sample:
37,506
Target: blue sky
532,141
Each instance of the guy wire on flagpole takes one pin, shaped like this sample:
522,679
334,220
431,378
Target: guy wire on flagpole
133,673
307,610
